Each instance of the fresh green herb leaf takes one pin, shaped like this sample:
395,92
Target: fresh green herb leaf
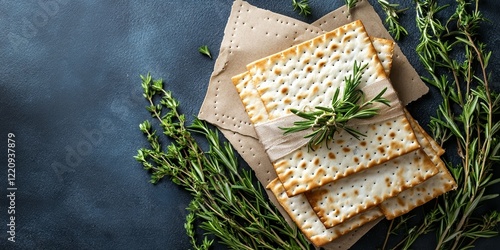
302,6
326,121
205,51
392,18
351,4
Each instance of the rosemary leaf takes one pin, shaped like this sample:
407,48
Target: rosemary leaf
302,6
205,51
350,4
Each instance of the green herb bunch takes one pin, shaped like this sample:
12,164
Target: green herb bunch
227,202
468,117
324,122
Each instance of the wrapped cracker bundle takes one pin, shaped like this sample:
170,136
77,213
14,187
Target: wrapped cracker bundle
409,172
321,211
298,206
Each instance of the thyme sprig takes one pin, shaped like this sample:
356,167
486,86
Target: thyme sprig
301,6
326,121
227,202
456,63
392,18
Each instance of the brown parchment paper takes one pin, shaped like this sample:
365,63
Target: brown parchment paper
252,33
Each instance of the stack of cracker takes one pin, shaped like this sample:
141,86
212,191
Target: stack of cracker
330,191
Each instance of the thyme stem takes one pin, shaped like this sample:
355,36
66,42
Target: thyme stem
388,234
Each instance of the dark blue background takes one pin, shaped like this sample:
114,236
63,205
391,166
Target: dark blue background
70,92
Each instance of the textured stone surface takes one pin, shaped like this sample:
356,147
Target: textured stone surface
70,91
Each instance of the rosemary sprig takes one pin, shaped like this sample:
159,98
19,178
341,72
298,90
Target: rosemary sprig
227,201
326,121
456,63
392,18
302,6
205,51
350,4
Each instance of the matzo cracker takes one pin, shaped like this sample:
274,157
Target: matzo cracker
302,214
